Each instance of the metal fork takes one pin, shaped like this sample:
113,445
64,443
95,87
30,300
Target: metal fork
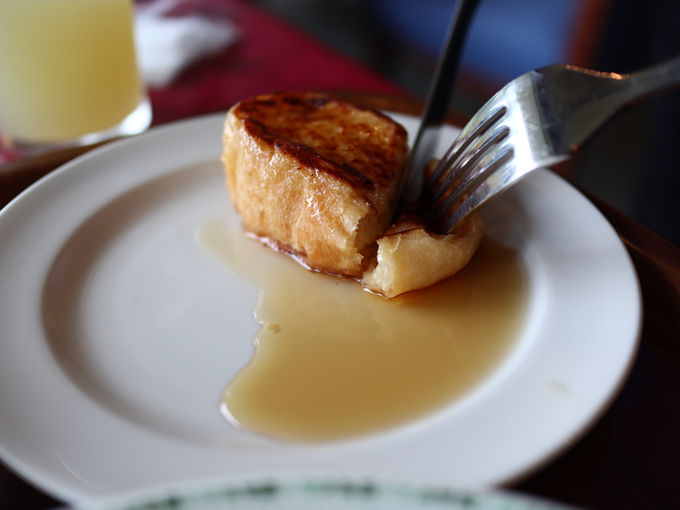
535,121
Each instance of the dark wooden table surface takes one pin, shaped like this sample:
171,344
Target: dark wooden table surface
629,459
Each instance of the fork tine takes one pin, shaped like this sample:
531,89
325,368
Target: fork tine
548,113
448,212
457,176
471,132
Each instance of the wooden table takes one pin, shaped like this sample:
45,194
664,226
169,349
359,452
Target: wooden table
629,458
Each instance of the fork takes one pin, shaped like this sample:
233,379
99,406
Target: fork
535,121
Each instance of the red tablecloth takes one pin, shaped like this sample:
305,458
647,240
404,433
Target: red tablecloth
270,55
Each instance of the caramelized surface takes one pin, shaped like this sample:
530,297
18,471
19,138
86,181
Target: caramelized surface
362,147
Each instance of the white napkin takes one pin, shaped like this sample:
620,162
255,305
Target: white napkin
167,45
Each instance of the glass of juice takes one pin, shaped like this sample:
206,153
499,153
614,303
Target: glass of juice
68,72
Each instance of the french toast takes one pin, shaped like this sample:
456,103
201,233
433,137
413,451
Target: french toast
411,257
314,175
317,177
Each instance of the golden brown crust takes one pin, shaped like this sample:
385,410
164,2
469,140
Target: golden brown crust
328,134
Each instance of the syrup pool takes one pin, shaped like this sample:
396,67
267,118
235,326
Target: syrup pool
332,361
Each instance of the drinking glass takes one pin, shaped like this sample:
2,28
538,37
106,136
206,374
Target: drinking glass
68,72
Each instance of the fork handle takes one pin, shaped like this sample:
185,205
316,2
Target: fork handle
654,80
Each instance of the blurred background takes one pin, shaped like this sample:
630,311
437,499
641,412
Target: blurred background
201,56
631,164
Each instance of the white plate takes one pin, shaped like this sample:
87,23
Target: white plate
327,495
119,333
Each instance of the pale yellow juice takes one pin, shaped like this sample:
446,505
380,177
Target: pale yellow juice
67,67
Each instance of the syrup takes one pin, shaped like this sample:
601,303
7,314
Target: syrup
332,361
